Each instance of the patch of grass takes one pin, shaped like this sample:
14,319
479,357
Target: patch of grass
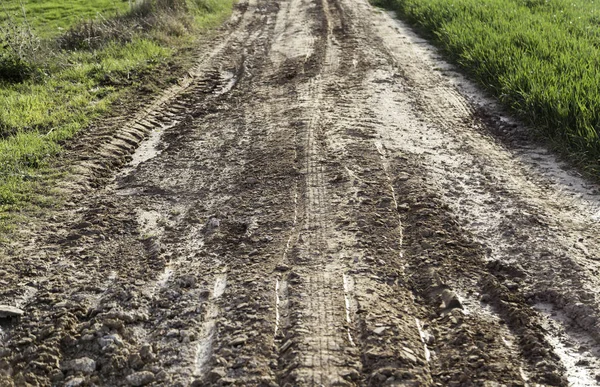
51,18
541,58
72,87
210,13
35,116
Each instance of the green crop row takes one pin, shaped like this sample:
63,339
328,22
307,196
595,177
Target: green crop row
539,57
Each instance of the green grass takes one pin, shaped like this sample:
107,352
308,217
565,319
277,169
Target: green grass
539,57
210,13
74,87
50,18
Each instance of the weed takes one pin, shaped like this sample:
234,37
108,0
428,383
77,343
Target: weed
19,51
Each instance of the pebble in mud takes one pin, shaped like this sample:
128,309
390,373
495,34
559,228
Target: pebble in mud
135,361
216,374
238,340
75,382
140,378
7,311
107,340
84,365
402,176
146,353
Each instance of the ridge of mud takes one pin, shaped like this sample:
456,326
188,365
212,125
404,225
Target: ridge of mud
442,256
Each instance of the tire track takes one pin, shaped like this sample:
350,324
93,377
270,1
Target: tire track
315,349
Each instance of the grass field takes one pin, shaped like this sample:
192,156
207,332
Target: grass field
51,18
539,57
68,87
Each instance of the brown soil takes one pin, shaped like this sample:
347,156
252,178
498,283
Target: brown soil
314,204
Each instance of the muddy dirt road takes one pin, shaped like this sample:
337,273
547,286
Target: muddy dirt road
321,202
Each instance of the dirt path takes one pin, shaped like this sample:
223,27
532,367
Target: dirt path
321,202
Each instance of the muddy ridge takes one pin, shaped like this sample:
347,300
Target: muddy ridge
321,201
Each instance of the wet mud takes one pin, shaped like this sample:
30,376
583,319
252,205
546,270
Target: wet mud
321,201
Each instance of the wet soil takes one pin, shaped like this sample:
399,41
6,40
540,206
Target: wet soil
320,201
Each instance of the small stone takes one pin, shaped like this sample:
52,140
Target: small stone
140,316
380,377
403,207
7,311
212,225
409,357
187,281
25,341
555,378
110,339
512,286
403,176
140,378
240,362
238,340
173,333
282,267
350,374
135,361
115,324
74,382
146,352
216,374
162,376
84,365
187,336
450,300
56,376
379,330
128,317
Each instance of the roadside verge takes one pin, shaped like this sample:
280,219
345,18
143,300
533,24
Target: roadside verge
539,58
61,85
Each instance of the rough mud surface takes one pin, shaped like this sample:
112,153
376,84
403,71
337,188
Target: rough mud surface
320,202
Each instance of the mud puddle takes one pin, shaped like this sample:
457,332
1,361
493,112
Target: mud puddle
204,348
228,79
148,149
280,303
348,302
579,353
